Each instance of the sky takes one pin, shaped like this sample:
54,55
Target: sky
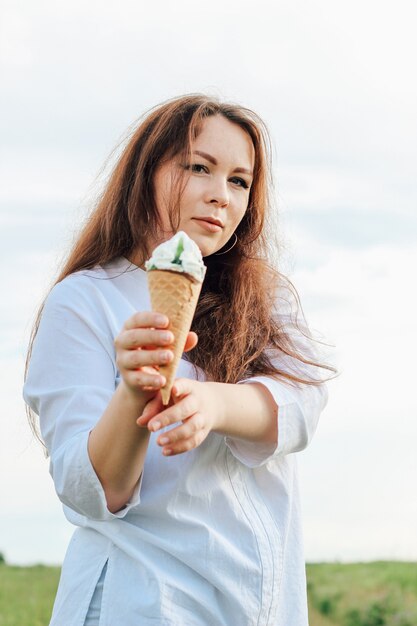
333,82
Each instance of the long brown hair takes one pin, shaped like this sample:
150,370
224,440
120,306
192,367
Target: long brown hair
235,320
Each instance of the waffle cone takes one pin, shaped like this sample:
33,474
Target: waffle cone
175,295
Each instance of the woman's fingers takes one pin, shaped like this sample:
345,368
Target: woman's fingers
173,414
132,338
147,378
134,359
146,319
191,341
148,330
188,429
185,437
152,408
139,345
181,387
188,415
142,346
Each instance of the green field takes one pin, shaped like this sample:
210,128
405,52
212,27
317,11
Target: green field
27,594
363,594
360,594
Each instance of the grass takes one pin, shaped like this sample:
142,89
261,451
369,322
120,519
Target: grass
27,594
357,594
363,594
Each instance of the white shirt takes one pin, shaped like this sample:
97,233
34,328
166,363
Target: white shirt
211,537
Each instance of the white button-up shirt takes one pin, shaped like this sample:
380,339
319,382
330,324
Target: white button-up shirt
211,537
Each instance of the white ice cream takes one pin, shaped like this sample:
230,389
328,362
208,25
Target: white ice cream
178,254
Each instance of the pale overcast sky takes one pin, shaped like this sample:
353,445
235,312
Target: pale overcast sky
334,83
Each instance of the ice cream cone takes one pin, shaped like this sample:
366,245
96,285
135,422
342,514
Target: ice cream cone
175,295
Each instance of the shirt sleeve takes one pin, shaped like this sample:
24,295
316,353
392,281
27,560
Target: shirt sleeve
71,378
298,405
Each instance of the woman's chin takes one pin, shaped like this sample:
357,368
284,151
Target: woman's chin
207,245
208,250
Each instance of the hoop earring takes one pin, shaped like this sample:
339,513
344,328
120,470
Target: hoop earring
228,249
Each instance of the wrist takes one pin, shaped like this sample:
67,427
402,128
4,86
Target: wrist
134,397
217,405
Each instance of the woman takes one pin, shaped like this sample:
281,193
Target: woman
187,514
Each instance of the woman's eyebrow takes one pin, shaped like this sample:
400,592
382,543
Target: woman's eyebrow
211,159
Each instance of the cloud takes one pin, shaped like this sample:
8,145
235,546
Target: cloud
356,230
360,469
364,302
32,526
356,491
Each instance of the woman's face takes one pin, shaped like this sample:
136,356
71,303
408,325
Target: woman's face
217,184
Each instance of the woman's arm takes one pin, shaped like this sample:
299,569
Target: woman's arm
237,407
244,411
117,448
260,420
88,425
261,417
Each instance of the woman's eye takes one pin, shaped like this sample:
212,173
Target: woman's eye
197,168
240,182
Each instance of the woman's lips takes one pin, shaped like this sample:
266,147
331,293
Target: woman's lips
212,228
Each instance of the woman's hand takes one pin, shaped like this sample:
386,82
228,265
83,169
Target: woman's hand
141,347
195,404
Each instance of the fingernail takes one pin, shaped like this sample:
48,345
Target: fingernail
163,440
156,426
167,337
167,452
161,320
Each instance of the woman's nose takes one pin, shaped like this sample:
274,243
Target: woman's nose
218,193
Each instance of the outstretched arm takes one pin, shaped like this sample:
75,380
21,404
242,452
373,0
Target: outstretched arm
247,412
117,448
